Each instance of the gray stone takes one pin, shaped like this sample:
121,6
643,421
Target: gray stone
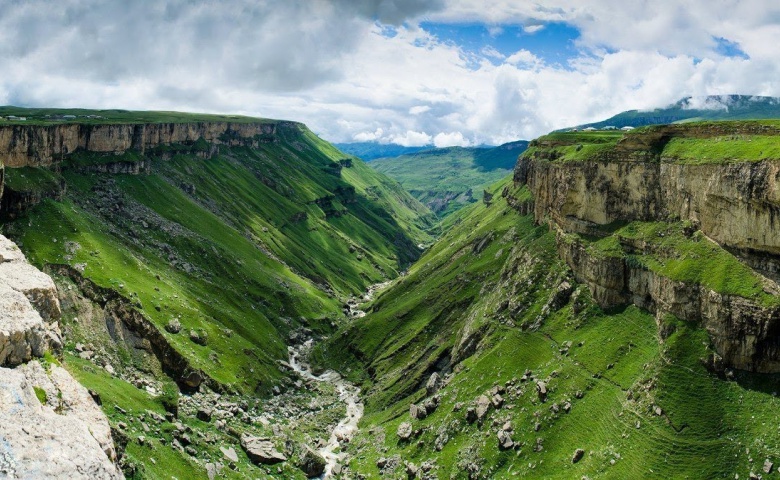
433,384
261,450
312,464
229,453
768,466
404,431
73,442
482,407
174,326
505,440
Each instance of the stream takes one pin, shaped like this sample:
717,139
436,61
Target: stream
348,392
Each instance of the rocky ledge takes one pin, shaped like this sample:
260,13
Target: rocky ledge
50,425
589,190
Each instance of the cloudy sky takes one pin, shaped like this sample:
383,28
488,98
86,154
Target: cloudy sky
413,72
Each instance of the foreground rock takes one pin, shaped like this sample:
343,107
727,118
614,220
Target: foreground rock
312,463
261,451
68,437
50,425
29,309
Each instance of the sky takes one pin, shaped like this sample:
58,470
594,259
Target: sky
411,72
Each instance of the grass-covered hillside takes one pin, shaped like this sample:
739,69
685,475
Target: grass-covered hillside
447,179
539,381
691,143
207,263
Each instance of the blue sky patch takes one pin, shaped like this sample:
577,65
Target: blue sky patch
727,48
554,43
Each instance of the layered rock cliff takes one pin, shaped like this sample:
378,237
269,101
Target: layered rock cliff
42,145
50,425
586,191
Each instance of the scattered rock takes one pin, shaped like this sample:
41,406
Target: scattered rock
505,440
312,464
411,470
541,390
471,414
229,453
578,454
497,401
404,431
431,404
261,450
768,466
433,384
199,336
418,412
174,326
483,405
539,447
204,414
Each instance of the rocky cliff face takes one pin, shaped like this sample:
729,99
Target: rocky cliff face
50,425
735,203
34,145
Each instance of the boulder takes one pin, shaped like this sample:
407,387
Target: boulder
19,275
261,450
768,466
174,326
578,454
471,414
541,390
433,384
312,464
404,431
505,440
73,442
417,411
229,453
204,414
482,407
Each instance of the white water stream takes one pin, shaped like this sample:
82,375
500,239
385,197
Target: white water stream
348,393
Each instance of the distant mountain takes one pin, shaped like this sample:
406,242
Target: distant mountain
446,179
714,107
368,151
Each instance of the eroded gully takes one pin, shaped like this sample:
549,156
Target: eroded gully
348,393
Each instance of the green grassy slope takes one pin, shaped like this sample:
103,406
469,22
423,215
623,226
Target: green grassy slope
641,407
447,179
242,248
251,241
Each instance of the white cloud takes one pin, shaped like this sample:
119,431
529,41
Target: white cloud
333,65
368,136
523,57
411,139
532,28
453,139
418,109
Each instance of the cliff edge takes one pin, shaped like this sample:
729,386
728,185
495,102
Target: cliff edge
677,219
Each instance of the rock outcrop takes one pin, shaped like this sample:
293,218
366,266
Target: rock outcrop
49,423
735,203
42,145
29,309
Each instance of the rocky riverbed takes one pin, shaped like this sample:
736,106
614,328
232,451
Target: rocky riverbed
348,393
